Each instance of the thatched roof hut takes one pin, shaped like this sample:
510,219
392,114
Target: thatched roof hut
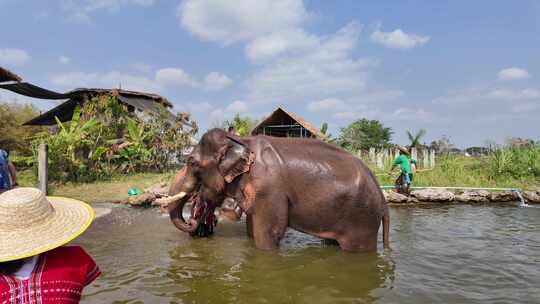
282,123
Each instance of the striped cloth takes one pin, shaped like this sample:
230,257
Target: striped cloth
59,276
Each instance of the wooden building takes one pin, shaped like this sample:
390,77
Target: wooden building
282,123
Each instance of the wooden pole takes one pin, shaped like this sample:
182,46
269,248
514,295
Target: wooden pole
43,168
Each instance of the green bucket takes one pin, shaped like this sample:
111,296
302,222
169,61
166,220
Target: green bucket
134,191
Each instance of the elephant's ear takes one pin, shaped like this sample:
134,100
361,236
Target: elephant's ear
234,159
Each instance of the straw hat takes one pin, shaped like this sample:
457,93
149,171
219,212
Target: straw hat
31,223
404,150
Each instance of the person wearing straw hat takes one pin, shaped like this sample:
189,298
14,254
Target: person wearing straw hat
404,181
35,267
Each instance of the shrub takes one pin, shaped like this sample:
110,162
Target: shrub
13,136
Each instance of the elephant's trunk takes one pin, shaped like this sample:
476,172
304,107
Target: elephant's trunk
181,190
178,220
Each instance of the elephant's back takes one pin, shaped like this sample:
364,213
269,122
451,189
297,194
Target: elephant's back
317,163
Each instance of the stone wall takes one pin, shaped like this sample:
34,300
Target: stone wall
467,197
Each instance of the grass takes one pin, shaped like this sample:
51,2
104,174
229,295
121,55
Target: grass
99,192
465,172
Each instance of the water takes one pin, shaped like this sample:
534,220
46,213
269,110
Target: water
454,254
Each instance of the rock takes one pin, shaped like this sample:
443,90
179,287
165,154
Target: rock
158,189
412,200
394,197
532,197
141,199
433,195
503,196
474,196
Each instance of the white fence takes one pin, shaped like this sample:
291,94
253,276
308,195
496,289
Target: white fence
425,158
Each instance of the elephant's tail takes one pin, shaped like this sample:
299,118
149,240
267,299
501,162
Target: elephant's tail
386,229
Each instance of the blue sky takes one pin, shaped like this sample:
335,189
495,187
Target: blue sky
466,69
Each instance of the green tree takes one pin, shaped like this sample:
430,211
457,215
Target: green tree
324,128
14,136
364,134
442,145
242,125
415,138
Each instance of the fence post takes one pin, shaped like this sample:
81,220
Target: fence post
432,158
425,158
372,155
414,154
43,168
380,164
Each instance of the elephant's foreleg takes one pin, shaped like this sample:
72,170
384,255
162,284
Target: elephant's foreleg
249,225
269,221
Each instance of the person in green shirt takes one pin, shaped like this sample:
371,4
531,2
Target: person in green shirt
406,164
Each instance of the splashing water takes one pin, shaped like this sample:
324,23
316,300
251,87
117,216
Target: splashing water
522,202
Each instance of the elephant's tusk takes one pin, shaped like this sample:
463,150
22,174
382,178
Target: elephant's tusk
170,199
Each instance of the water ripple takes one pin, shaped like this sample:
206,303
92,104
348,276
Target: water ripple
448,254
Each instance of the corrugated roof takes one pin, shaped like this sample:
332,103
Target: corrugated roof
6,75
304,123
64,111
124,93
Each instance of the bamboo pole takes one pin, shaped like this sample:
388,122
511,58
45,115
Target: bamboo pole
43,168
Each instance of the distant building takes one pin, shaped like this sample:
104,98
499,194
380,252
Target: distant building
282,123
476,151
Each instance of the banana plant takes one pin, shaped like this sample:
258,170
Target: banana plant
135,151
76,134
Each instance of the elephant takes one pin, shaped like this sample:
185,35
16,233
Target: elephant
305,184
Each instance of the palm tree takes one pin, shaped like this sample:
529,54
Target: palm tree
415,138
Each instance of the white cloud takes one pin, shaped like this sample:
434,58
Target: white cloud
398,39
163,78
13,57
64,59
227,22
512,74
80,10
328,104
416,115
510,94
323,70
113,79
277,43
361,112
485,95
216,81
174,76
237,106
